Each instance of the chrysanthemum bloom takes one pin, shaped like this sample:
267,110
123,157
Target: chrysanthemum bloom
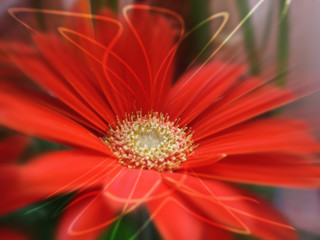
141,137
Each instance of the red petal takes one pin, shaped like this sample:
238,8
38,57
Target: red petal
129,188
7,67
200,88
148,50
8,234
67,170
38,70
71,76
112,83
14,196
266,169
221,205
199,160
46,100
250,105
203,203
51,174
240,89
137,69
36,117
85,218
74,73
12,147
264,221
174,221
276,135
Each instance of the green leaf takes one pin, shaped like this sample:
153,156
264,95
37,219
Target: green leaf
249,38
199,12
96,5
134,225
38,221
283,42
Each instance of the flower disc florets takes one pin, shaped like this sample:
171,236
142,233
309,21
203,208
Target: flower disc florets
150,141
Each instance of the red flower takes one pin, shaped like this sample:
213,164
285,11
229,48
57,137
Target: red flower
12,235
139,139
12,147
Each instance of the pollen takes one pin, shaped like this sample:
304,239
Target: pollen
150,141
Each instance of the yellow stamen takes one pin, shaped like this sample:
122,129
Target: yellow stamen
150,141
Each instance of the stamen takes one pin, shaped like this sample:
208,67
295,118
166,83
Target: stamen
151,141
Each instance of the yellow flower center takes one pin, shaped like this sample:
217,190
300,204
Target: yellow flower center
150,141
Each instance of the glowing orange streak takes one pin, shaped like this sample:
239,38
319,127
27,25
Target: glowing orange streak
165,73
193,192
215,199
223,198
80,177
227,38
262,219
249,214
113,179
177,183
99,226
232,33
104,62
125,14
73,232
134,200
141,200
13,11
166,193
99,178
62,31
110,52
172,50
225,16
227,207
246,230
137,201
79,198
146,197
132,191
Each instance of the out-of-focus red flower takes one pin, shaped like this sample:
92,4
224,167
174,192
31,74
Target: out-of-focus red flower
6,233
12,147
7,68
140,139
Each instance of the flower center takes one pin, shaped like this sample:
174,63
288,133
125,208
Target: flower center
150,141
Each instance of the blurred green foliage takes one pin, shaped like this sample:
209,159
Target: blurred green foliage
129,225
283,42
37,221
99,4
249,38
